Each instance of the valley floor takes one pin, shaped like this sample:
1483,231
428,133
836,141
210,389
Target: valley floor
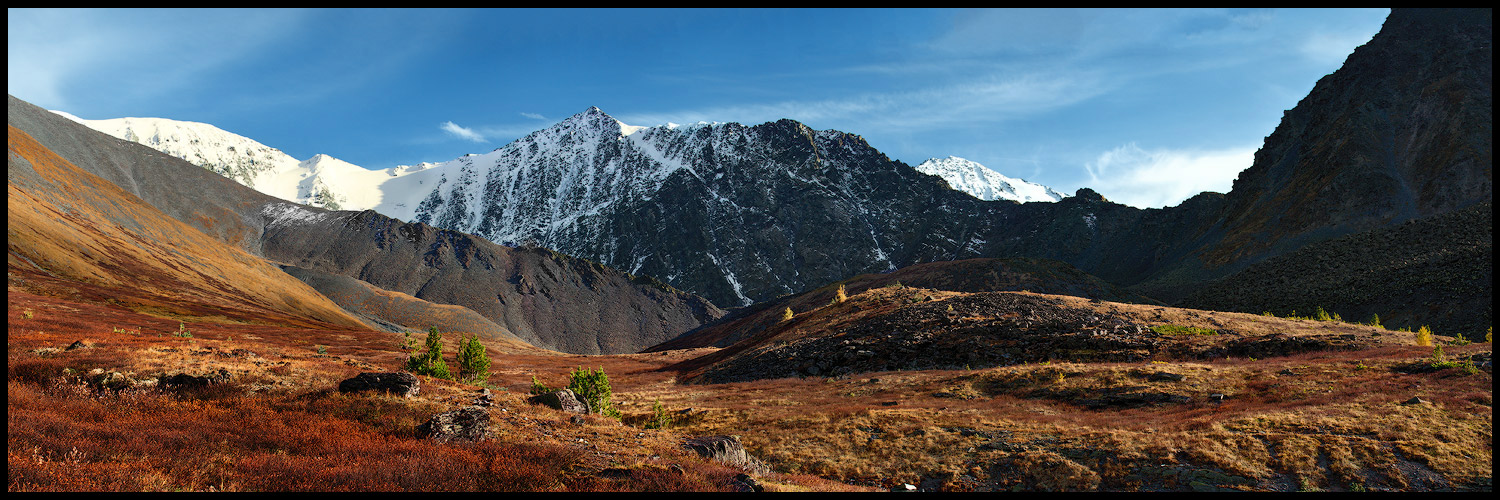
83,414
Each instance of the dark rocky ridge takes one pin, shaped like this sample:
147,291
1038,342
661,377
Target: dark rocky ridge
1435,271
1403,130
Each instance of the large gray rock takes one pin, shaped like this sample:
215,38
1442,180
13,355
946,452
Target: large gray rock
726,449
562,399
470,423
398,383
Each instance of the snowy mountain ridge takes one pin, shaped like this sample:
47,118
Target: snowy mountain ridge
322,180
734,213
984,183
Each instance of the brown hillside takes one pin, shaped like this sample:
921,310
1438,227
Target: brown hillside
69,223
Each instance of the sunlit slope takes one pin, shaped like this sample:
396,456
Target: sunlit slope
73,224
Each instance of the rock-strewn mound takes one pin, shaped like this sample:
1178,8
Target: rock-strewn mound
904,328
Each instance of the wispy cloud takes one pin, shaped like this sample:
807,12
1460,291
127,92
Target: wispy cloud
1158,178
133,52
533,116
467,134
949,105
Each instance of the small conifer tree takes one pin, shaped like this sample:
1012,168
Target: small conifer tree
660,419
473,361
787,314
1375,321
430,363
537,387
1424,336
840,296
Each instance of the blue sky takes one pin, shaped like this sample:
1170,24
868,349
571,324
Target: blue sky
1148,107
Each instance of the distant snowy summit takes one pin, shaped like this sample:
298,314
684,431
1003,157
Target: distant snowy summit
322,181
985,184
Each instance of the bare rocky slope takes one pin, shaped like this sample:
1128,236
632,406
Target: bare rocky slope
1436,271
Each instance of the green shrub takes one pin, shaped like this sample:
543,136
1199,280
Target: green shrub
1321,315
1375,321
593,387
1182,330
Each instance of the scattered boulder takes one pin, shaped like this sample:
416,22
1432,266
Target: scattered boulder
561,399
1217,398
1165,377
77,344
745,483
470,424
185,380
399,383
726,449
1414,401
484,399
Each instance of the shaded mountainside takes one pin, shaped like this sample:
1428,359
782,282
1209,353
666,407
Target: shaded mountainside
68,223
969,275
428,264
546,298
399,312
1403,130
1435,271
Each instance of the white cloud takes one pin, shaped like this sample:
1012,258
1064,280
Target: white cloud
1159,178
944,106
462,133
533,116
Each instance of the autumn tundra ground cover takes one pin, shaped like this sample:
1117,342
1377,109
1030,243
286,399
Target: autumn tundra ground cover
1340,420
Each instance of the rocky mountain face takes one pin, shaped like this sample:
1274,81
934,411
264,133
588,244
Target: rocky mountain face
1403,130
1435,271
741,214
551,300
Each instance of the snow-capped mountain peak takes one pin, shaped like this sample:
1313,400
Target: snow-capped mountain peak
321,180
984,183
